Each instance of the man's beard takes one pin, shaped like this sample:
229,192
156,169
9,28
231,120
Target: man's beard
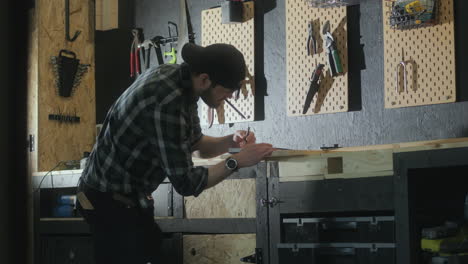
208,97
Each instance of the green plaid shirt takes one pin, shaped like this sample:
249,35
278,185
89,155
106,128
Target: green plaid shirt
147,136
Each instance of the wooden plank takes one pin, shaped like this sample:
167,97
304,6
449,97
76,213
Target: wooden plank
354,162
211,249
302,166
360,161
338,164
218,202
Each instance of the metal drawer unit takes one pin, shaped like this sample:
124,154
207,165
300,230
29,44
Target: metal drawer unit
373,229
337,253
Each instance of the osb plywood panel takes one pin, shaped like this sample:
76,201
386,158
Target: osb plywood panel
240,35
229,199
215,249
107,14
61,141
332,96
430,52
32,87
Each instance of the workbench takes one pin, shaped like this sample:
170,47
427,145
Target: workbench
252,211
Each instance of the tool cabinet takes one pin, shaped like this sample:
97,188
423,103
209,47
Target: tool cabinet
346,217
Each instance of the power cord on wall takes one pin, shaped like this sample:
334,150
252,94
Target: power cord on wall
51,175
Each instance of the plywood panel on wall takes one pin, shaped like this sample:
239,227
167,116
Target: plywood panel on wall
241,36
60,141
429,54
211,249
229,199
107,14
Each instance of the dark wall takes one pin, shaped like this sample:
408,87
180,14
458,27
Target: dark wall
13,156
112,60
368,122
3,133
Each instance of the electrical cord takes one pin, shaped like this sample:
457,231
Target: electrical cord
51,175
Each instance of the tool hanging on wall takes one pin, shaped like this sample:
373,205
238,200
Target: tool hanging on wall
313,88
311,42
135,67
156,44
334,61
146,48
67,23
401,67
172,53
68,72
64,118
407,14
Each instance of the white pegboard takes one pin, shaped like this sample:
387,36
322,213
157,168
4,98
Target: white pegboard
332,96
431,53
240,35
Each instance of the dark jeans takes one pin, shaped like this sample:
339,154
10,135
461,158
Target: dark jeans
121,233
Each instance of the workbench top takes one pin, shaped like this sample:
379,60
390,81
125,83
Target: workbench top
363,160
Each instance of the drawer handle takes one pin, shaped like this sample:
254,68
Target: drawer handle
335,251
339,225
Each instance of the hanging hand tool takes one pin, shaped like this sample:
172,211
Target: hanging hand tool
401,67
135,68
172,53
313,88
67,23
311,42
68,72
146,46
334,61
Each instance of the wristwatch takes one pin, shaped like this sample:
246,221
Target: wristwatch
231,164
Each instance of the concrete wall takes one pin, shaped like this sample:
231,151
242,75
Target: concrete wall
368,122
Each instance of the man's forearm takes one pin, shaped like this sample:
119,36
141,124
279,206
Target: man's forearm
209,147
216,174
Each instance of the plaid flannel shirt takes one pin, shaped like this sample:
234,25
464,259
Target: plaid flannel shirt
147,136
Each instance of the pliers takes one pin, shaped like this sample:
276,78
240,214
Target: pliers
311,42
334,60
135,68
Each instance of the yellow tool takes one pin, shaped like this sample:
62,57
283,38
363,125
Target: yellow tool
414,7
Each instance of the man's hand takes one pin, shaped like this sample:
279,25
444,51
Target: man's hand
242,138
252,154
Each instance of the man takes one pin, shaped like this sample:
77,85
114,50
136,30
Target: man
149,134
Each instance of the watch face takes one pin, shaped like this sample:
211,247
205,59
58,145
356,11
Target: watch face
231,164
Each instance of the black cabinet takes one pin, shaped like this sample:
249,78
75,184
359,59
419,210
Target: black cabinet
430,188
66,249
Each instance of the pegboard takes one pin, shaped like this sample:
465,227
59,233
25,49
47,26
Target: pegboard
430,52
332,96
240,35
